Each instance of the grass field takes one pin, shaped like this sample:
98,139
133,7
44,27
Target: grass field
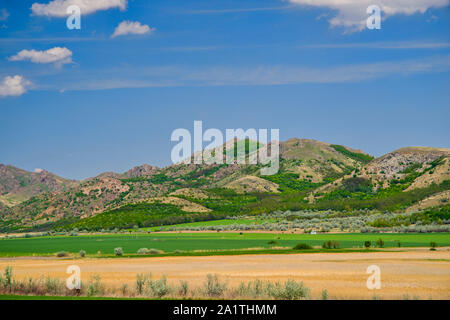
169,242
220,222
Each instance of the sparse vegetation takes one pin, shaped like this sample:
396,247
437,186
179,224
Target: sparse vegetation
364,158
146,286
331,244
143,251
380,243
213,287
302,246
289,290
118,251
61,254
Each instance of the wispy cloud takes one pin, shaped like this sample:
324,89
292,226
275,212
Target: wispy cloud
237,10
191,48
381,45
52,39
58,8
175,76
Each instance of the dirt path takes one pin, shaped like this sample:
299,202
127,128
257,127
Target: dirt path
420,273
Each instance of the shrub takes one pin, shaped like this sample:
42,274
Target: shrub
62,254
155,251
140,283
213,287
53,286
331,244
159,287
95,287
433,246
6,279
118,251
253,289
184,288
272,242
367,244
143,251
302,246
124,289
32,286
82,253
290,290
380,243
324,294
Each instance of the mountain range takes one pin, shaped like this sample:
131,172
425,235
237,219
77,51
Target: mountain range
313,175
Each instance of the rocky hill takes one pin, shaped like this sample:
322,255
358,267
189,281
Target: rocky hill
329,176
316,161
409,168
18,185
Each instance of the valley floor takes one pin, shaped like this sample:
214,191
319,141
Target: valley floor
188,243
408,273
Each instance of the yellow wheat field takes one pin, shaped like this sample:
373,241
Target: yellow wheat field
415,273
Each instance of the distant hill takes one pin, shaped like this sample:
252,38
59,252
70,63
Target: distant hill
18,185
405,169
317,161
313,175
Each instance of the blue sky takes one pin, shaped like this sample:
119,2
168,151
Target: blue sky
102,103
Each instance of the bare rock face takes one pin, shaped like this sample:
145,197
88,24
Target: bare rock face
143,170
391,164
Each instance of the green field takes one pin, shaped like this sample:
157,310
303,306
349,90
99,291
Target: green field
221,222
169,242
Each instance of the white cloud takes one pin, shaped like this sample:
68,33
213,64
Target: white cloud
57,8
56,55
4,15
13,86
131,27
352,15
